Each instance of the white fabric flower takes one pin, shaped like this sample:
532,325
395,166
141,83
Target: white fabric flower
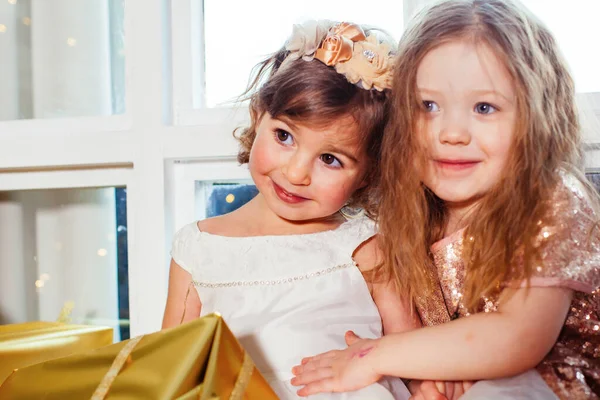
306,38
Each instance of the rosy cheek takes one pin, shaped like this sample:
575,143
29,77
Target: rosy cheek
337,193
260,157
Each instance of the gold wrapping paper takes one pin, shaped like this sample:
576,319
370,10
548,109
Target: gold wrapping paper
197,360
34,342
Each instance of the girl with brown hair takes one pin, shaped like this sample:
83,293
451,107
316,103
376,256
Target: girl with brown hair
287,267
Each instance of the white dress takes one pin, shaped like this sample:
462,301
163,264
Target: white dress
287,297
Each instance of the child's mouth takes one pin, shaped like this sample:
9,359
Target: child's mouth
287,196
456,165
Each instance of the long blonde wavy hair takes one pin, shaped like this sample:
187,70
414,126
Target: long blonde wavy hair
546,139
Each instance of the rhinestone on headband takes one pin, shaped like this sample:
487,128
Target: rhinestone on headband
369,54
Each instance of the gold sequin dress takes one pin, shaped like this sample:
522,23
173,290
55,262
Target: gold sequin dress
570,259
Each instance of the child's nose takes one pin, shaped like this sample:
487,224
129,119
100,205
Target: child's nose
297,171
454,130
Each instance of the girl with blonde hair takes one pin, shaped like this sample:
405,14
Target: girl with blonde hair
486,220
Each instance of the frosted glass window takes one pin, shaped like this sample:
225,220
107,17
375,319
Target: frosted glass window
65,248
61,58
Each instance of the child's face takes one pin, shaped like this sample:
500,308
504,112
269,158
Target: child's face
468,121
306,173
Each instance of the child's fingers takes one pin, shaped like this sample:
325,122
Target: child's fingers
351,338
455,390
414,386
458,389
326,385
315,364
312,365
441,387
432,390
417,396
309,377
329,354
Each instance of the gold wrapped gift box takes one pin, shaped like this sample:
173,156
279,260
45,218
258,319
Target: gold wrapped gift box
197,360
34,342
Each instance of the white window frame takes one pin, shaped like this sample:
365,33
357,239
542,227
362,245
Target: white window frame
181,178
188,72
133,150
112,151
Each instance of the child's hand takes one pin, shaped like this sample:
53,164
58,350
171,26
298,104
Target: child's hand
338,370
438,390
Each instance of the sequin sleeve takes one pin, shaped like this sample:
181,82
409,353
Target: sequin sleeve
570,245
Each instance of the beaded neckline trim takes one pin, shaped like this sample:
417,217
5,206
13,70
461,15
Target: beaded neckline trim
274,281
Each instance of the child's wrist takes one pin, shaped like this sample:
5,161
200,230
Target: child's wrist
375,355
381,356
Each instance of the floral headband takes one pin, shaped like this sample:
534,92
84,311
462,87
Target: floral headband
361,59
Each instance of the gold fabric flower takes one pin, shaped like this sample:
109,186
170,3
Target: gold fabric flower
351,31
370,64
339,44
334,49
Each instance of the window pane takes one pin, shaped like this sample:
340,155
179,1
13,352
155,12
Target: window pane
65,246
218,198
61,58
235,43
594,178
575,26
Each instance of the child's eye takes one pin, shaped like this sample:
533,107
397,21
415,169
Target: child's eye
284,137
485,108
430,106
331,160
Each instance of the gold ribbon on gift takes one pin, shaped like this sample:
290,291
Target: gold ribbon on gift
124,359
243,379
65,312
200,359
339,43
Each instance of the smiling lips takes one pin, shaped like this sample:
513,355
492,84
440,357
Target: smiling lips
287,197
455,165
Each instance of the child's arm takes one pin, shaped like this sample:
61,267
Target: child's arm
183,302
395,311
396,314
483,346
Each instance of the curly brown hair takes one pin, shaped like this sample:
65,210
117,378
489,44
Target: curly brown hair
313,94
547,138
